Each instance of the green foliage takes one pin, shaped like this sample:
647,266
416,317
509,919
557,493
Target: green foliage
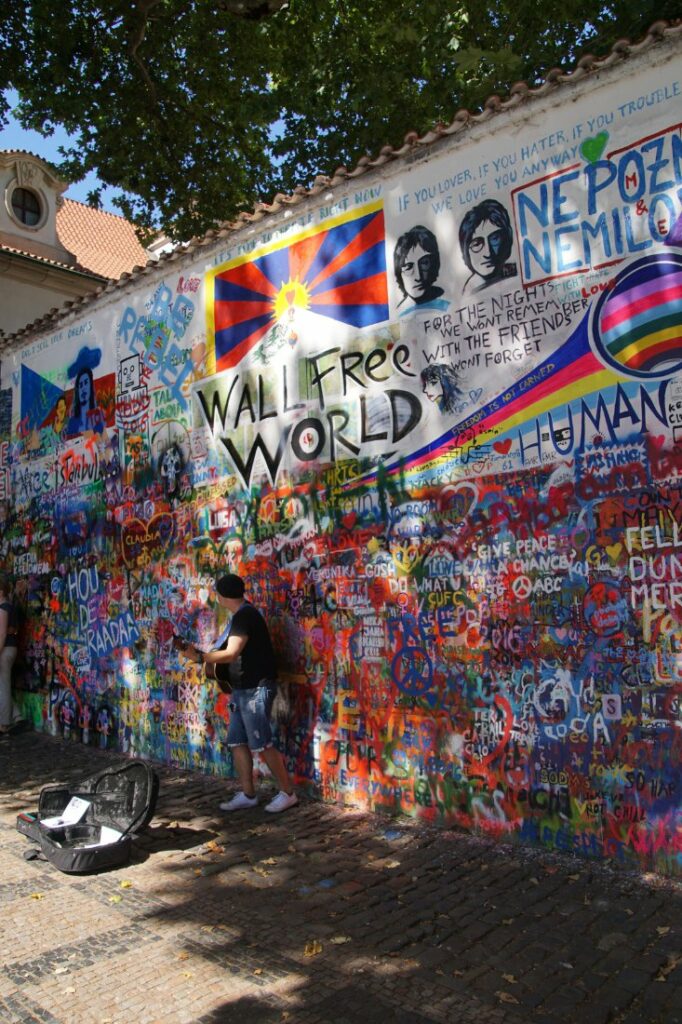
198,108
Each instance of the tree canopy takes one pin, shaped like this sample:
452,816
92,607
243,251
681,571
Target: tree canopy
198,108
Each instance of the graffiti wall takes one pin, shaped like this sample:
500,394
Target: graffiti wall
434,416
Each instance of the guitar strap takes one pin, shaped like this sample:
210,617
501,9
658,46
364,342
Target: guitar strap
222,639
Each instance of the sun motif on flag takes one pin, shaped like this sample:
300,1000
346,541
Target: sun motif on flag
292,296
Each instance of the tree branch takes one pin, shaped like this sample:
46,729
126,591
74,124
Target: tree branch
252,10
137,34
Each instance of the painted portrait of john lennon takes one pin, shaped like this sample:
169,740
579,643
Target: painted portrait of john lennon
486,240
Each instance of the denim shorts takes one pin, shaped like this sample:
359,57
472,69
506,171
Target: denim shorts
250,718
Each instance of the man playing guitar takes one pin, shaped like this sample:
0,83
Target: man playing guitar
248,655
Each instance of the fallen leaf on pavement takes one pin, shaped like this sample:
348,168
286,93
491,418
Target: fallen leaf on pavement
258,970
533,881
183,956
663,930
69,991
668,967
126,885
312,948
510,979
574,878
338,940
507,920
61,970
115,899
173,824
37,895
506,997
213,847
392,864
269,860
187,974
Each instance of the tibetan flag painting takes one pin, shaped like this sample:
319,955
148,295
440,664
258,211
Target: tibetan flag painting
334,271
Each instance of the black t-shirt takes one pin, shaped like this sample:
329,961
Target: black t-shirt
256,664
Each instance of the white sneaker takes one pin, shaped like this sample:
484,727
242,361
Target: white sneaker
239,803
282,802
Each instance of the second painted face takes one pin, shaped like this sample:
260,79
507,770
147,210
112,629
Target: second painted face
84,389
484,248
433,390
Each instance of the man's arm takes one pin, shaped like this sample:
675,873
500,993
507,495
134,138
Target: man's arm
235,646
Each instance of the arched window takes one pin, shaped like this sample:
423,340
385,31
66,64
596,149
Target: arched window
26,207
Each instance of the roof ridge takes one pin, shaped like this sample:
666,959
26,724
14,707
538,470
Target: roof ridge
53,263
27,152
97,209
519,93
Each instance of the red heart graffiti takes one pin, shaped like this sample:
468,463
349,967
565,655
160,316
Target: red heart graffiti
144,543
503,447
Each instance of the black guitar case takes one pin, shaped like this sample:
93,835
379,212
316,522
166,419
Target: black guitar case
121,801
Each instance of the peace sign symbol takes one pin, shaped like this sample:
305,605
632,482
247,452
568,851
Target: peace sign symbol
522,587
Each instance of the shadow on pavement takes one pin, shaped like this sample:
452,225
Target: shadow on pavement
324,916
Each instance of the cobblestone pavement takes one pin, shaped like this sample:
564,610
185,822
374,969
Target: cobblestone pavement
319,916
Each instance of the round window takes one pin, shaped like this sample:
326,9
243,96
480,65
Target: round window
26,207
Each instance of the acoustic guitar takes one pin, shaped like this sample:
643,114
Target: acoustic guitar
219,674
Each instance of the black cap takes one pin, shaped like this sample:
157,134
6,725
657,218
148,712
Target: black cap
230,585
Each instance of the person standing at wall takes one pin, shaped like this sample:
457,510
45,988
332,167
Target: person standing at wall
8,654
249,652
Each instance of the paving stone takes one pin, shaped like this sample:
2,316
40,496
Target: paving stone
326,933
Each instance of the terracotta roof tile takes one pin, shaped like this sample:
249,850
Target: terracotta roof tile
101,242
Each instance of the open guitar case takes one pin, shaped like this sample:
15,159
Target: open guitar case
121,802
